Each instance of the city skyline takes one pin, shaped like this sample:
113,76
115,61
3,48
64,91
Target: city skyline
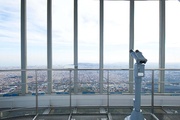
116,31
88,80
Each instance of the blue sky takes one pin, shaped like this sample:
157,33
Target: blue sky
116,31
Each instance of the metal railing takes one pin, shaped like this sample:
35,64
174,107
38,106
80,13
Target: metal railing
70,72
108,80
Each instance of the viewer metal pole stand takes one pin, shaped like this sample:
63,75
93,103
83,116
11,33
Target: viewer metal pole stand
136,114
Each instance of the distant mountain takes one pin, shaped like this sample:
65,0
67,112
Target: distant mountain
121,65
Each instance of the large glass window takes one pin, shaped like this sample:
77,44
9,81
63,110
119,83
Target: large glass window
10,33
62,32
116,34
88,32
146,34
36,33
172,33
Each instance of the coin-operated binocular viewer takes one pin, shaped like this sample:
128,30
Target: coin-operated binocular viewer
136,114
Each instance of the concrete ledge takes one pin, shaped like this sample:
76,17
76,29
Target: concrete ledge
84,100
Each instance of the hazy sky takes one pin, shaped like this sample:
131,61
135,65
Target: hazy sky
116,31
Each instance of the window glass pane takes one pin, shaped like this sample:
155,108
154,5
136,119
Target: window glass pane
36,33
62,32
88,32
10,33
116,34
172,33
147,30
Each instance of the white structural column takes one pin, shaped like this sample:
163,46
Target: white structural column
23,47
75,46
161,44
101,46
131,45
49,45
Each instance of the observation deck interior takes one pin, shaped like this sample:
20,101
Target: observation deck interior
95,93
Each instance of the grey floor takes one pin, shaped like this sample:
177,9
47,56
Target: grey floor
85,113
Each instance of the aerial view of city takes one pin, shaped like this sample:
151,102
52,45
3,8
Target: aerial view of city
115,81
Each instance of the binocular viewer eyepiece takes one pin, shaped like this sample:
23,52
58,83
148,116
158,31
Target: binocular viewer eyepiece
137,55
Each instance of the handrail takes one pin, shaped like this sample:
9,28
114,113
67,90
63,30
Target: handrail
81,69
110,69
